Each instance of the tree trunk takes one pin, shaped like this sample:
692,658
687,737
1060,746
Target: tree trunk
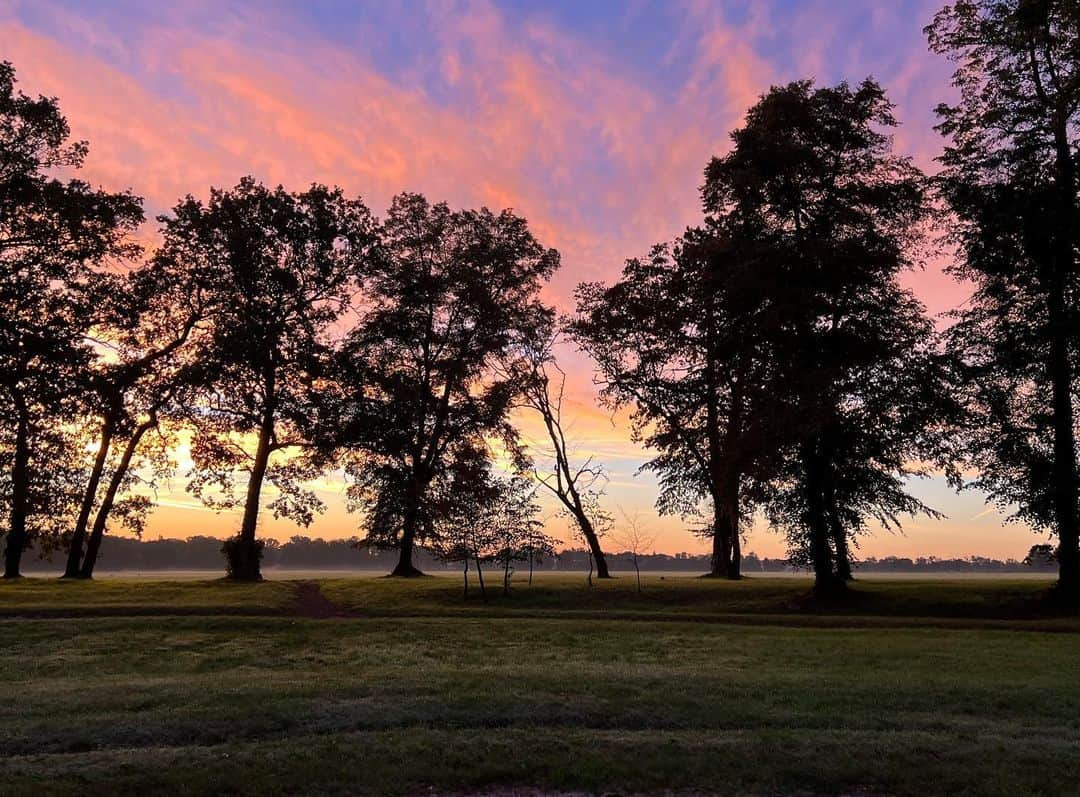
724,478
530,568
568,494
466,573
731,504
1065,488
480,576
78,535
637,572
720,562
826,582
20,491
735,572
1065,482
589,533
726,555
839,537
405,567
843,556
245,552
97,533
506,577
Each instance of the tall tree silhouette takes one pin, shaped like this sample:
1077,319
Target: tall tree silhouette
455,296
282,267
147,355
1010,176
569,481
680,337
813,172
55,237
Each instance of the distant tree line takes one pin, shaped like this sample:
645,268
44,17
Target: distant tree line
125,554
773,362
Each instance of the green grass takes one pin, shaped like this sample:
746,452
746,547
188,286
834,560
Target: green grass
552,688
53,596
687,597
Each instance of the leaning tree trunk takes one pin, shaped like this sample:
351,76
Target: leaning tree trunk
568,494
20,492
78,535
589,533
101,520
244,551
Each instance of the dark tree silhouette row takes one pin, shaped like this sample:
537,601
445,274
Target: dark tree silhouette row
126,554
771,358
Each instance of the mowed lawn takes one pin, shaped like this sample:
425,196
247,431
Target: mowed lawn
403,687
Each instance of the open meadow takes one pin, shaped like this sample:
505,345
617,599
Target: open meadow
369,685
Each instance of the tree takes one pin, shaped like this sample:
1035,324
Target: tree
536,547
118,500
147,354
461,501
635,539
485,518
1040,556
698,374
600,521
512,517
282,269
1010,177
569,483
55,238
812,175
426,373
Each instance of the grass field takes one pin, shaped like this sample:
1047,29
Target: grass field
386,686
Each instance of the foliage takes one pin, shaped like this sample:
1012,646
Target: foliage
282,269
56,236
426,372
1010,177
868,392
146,366
694,374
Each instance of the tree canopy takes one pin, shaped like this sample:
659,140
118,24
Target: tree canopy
282,269
56,238
428,366
1010,178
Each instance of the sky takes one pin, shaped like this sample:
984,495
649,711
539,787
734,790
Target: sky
593,119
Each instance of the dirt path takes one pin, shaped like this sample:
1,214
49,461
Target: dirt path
309,601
